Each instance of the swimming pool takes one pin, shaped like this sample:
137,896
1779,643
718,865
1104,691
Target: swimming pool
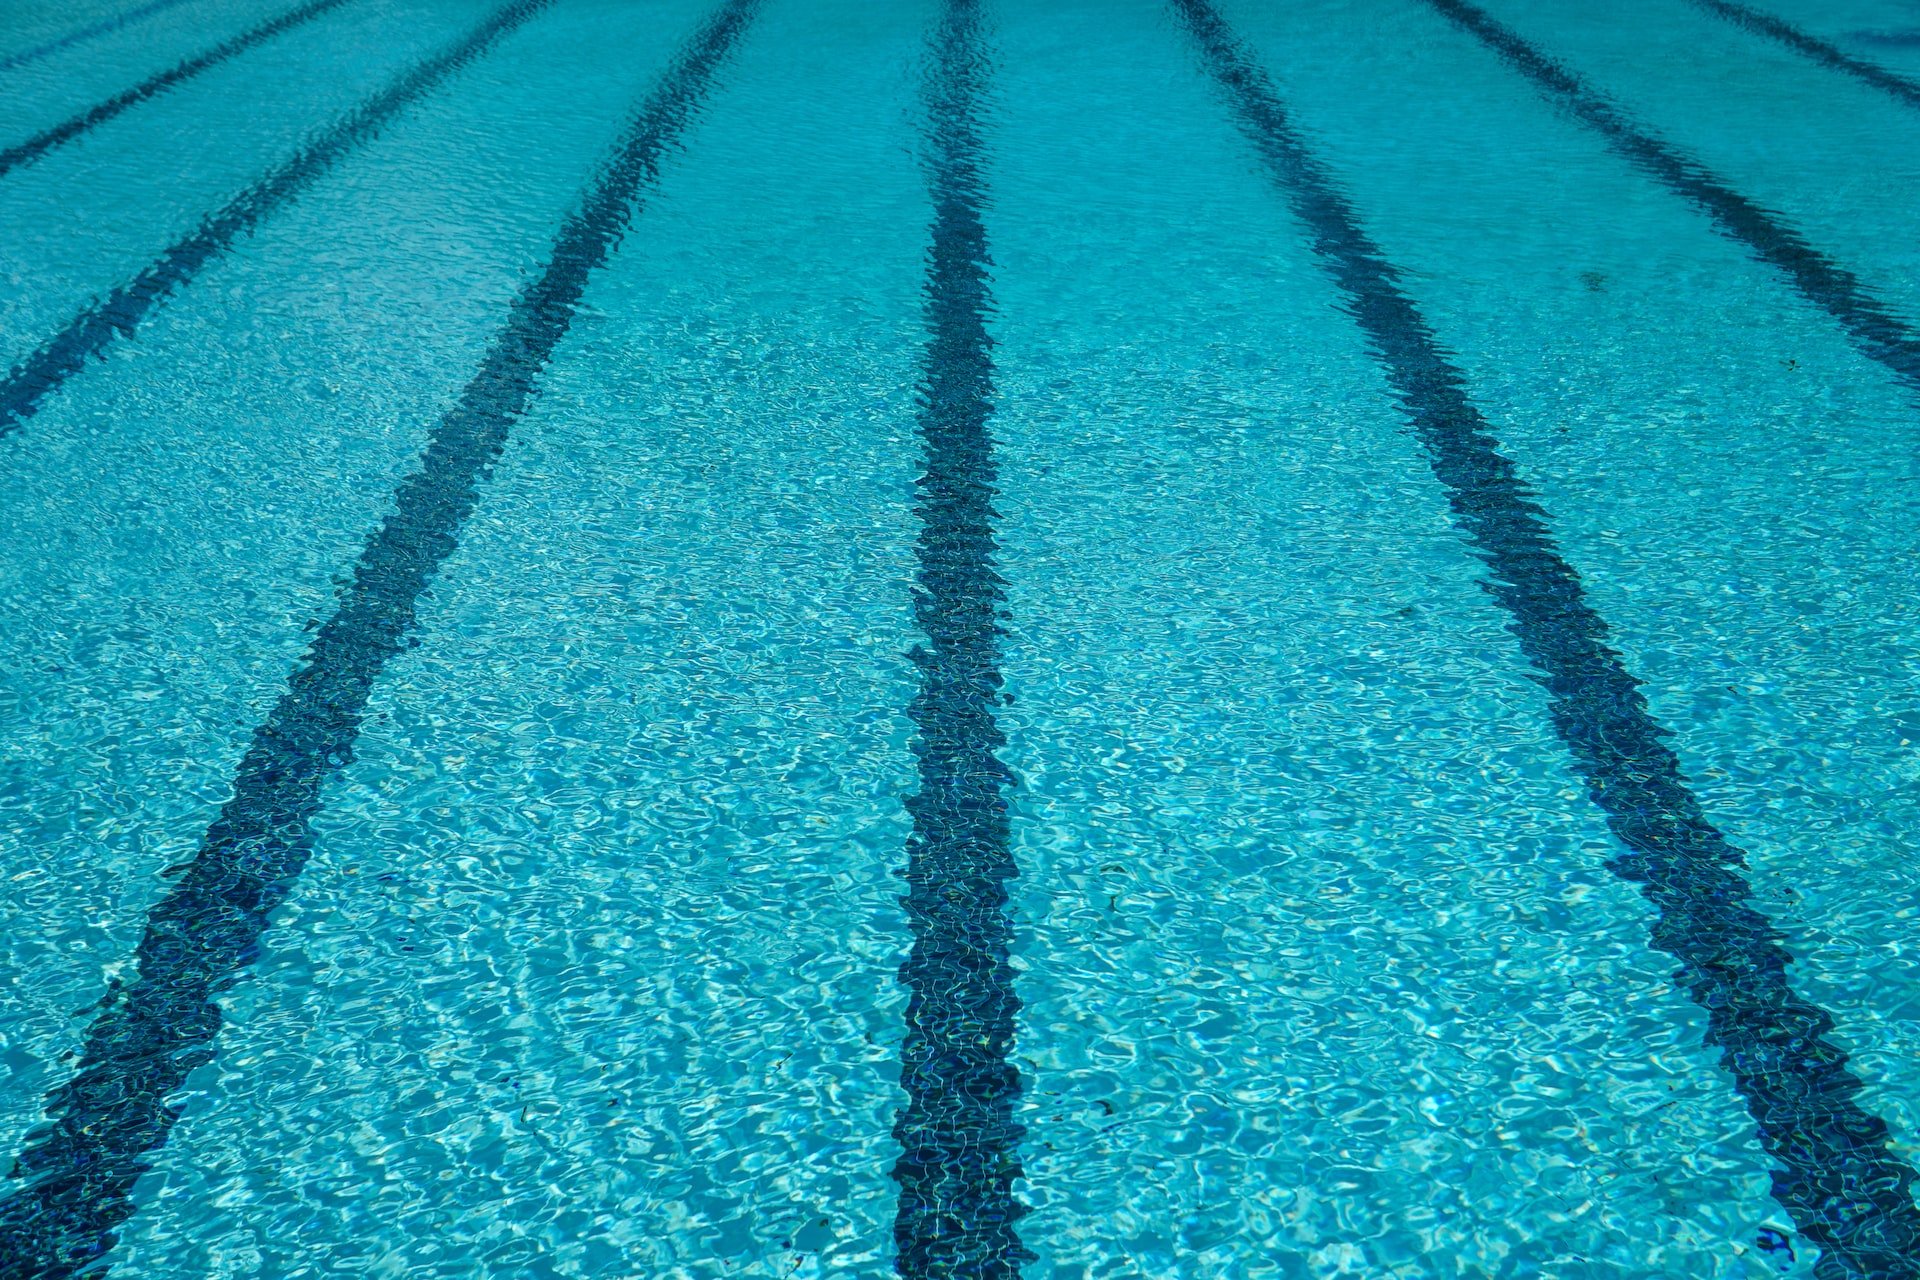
727,638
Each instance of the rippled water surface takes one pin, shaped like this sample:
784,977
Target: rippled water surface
1105,639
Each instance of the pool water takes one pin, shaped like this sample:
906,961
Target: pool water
759,638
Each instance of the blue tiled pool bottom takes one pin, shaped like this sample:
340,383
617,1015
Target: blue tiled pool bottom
750,639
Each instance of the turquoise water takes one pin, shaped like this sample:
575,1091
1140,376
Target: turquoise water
927,702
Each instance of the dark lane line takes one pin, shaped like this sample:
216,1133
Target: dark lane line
98,114
1835,1175
160,1027
1827,55
122,311
106,26
960,1142
1872,325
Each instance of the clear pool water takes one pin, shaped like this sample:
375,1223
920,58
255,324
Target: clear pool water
802,638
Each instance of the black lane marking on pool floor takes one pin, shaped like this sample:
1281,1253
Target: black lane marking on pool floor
960,1142
1872,325
208,928
98,114
122,311
1835,1174
1826,54
106,26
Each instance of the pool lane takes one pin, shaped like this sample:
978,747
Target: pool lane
154,1030
31,149
594,970
53,80
1321,968
93,214
122,16
1849,1193
1886,31
1732,479
1528,1097
118,314
161,575
1826,154
1826,53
